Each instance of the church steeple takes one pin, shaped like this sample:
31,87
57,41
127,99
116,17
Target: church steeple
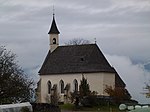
53,35
53,29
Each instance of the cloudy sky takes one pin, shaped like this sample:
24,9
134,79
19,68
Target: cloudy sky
121,29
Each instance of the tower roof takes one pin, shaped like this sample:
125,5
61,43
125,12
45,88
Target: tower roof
53,29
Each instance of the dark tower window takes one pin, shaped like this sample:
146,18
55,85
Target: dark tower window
54,40
61,86
49,87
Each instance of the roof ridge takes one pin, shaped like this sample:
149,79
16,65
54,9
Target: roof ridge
76,45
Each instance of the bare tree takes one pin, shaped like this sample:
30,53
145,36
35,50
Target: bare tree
118,93
14,83
77,41
84,88
147,90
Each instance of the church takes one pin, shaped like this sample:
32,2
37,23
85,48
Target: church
64,67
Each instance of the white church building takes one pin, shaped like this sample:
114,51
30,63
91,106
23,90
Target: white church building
64,67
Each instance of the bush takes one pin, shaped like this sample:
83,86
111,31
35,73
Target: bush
44,107
93,100
25,109
89,101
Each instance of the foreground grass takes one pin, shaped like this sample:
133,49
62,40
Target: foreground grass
71,107
67,106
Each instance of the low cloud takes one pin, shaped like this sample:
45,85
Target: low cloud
134,75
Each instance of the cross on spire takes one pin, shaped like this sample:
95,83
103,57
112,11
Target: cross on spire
95,40
53,10
53,28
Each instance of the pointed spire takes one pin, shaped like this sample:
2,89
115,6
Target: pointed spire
53,29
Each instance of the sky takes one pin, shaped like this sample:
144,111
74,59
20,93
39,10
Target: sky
121,29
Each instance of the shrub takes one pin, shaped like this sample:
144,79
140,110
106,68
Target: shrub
25,109
44,107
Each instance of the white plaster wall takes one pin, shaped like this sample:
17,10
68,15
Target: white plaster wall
109,80
55,79
95,80
98,81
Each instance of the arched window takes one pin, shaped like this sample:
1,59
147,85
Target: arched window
61,86
75,83
49,87
54,40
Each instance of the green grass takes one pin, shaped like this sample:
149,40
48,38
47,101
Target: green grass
71,107
67,106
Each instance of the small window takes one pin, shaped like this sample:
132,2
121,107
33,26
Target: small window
82,59
75,82
49,87
61,86
54,40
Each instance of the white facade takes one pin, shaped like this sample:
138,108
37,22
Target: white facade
97,82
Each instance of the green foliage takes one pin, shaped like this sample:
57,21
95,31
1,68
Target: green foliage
101,108
84,88
45,107
84,91
25,109
118,93
67,106
14,84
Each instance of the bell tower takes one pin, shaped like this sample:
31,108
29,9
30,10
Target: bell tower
53,35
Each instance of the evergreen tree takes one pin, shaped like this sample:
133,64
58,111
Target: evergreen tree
84,88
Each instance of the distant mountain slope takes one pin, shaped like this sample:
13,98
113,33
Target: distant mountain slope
147,66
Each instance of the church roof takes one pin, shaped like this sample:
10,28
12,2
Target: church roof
53,29
75,59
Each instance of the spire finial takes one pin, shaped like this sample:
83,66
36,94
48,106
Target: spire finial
95,40
53,28
53,10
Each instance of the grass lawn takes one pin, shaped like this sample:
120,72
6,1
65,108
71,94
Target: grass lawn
71,107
